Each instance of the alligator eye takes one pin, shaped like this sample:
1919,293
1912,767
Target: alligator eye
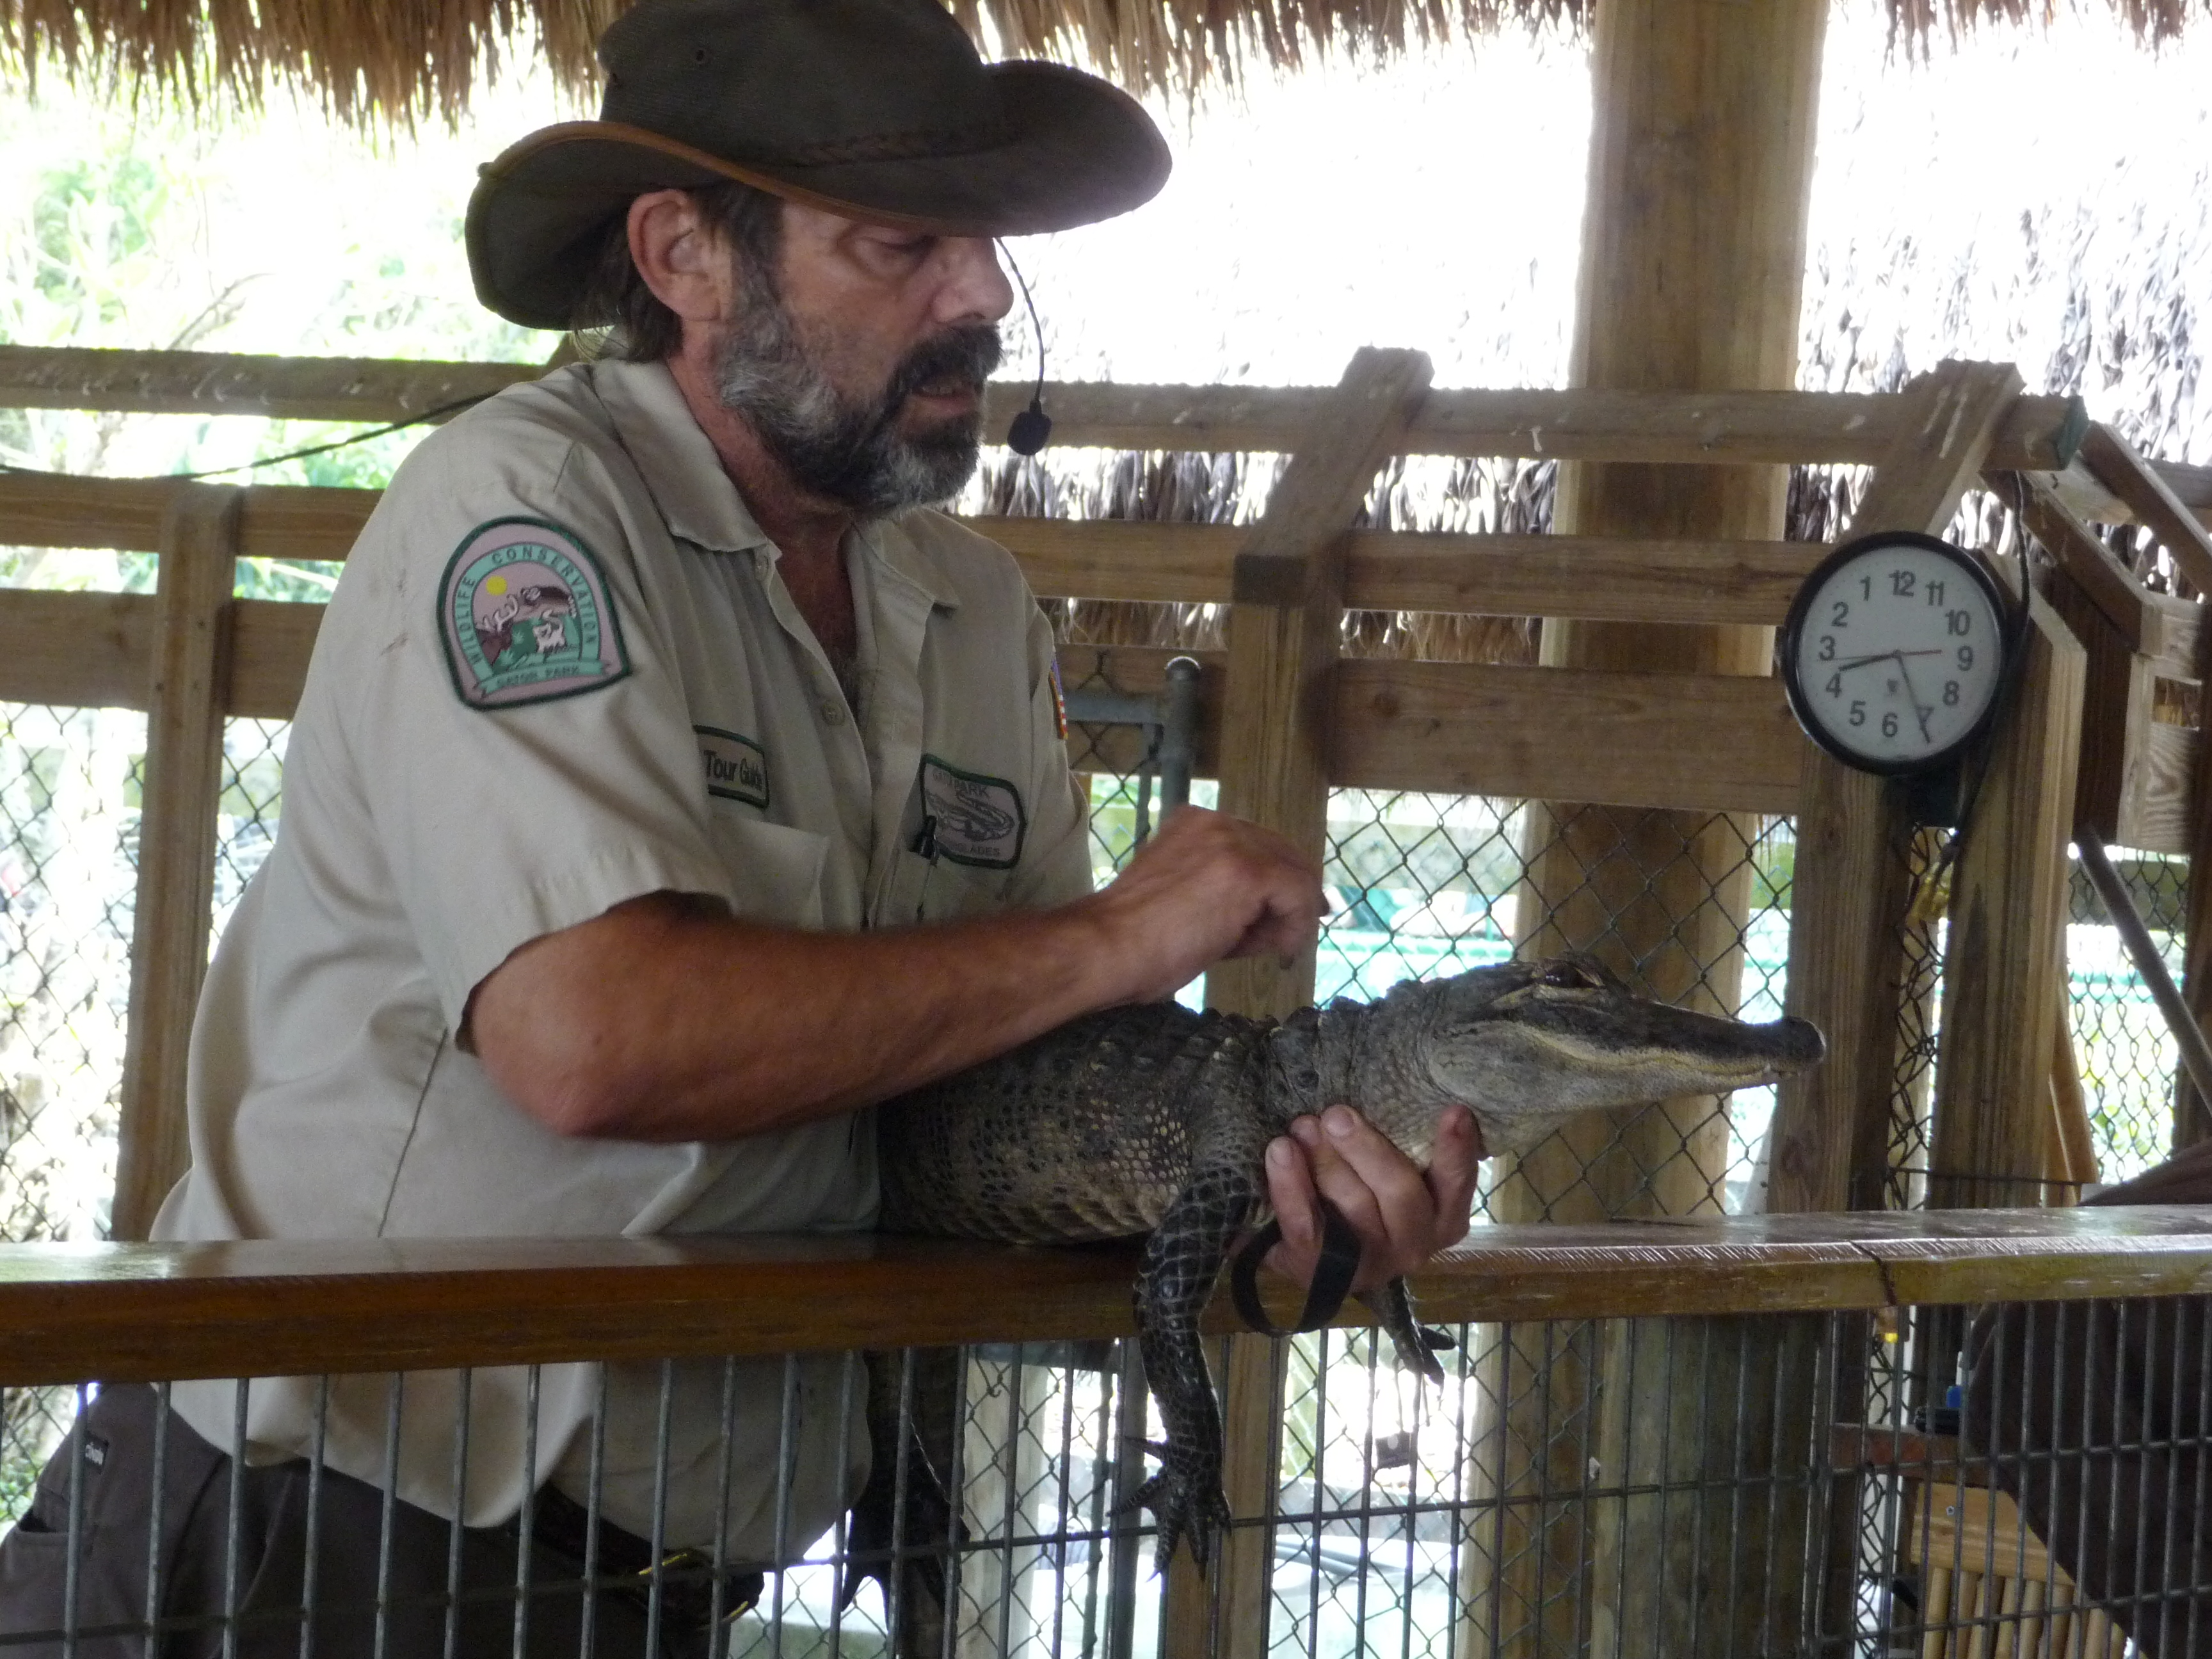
1568,977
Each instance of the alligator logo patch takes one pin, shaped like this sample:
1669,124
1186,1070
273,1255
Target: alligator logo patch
525,617
736,767
974,820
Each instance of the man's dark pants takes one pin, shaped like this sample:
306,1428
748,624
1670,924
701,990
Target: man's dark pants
195,1523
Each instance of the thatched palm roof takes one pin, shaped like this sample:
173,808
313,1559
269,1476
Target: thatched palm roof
396,60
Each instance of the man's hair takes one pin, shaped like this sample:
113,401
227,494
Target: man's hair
746,220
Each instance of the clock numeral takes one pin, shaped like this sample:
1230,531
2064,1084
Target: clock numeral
1835,686
1935,592
1950,694
1901,584
1866,587
1889,725
1958,621
1965,658
1843,616
1827,647
1858,713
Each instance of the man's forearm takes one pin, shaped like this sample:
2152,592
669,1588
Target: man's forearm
662,1021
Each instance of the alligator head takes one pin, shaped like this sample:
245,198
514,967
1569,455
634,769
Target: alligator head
1525,1044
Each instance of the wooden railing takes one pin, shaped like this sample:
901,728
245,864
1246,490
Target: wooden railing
150,1312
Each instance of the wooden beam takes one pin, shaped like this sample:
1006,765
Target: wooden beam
133,1312
82,650
2128,475
1704,427
366,389
1704,743
2119,691
183,783
2005,955
1619,578
1283,629
1831,1132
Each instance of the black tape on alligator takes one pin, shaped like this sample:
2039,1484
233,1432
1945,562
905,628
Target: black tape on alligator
1153,1122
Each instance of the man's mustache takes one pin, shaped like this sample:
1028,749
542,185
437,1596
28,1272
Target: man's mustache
965,354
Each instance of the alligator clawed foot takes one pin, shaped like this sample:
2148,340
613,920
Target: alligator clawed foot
1185,1499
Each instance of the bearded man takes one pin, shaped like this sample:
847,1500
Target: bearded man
670,786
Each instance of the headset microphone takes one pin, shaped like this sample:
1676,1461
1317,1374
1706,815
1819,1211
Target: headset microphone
1032,429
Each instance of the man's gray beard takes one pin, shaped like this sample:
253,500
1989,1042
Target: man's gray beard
840,448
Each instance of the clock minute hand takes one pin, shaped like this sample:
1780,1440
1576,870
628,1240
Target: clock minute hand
1881,656
1919,713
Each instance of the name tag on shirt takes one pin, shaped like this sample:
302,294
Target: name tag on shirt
736,767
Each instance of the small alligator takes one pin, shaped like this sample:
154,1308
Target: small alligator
1152,1119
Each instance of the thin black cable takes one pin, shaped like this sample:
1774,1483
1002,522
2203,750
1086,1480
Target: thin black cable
427,415
1031,429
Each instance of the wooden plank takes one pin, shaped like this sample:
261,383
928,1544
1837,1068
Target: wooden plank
276,521
271,642
129,1312
1615,578
183,782
2156,815
1598,578
1283,631
368,389
1699,742
1830,1138
88,650
1283,636
2001,984
2123,602
2127,475
1688,427
2119,695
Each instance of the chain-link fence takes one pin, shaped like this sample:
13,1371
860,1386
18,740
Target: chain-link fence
69,830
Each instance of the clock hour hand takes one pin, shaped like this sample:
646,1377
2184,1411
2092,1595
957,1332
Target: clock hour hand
1879,656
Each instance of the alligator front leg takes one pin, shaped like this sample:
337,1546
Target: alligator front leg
1182,1261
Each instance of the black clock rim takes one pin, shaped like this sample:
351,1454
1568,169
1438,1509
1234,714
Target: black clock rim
1793,628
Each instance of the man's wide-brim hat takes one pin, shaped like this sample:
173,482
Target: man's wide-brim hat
880,110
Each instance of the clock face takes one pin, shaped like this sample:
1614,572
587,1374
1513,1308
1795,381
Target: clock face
1894,652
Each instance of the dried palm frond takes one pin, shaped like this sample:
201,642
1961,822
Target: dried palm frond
392,63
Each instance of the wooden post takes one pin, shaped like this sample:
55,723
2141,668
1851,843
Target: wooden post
1283,633
1701,158
1831,1134
2123,472
179,791
2002,990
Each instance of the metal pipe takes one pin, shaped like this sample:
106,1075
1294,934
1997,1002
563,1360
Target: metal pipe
2188,1034
1179,734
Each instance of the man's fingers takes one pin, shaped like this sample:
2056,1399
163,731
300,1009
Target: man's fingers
1290,1192
1455,1168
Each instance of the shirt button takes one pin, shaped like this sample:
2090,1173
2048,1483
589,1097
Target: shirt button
833,712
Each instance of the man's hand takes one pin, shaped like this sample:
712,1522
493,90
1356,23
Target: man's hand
1402,1216
1204,888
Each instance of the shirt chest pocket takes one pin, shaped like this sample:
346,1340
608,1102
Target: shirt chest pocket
775,870
939,890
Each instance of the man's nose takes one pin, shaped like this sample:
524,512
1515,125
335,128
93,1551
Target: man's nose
974,288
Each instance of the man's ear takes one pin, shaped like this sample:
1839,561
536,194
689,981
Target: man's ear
676,254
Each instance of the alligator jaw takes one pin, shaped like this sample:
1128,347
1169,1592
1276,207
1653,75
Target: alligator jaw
1564,1036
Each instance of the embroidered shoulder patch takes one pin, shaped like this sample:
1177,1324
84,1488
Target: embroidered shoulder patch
975,820
736,767
525,618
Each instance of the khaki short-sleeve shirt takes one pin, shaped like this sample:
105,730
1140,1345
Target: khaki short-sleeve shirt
559,672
